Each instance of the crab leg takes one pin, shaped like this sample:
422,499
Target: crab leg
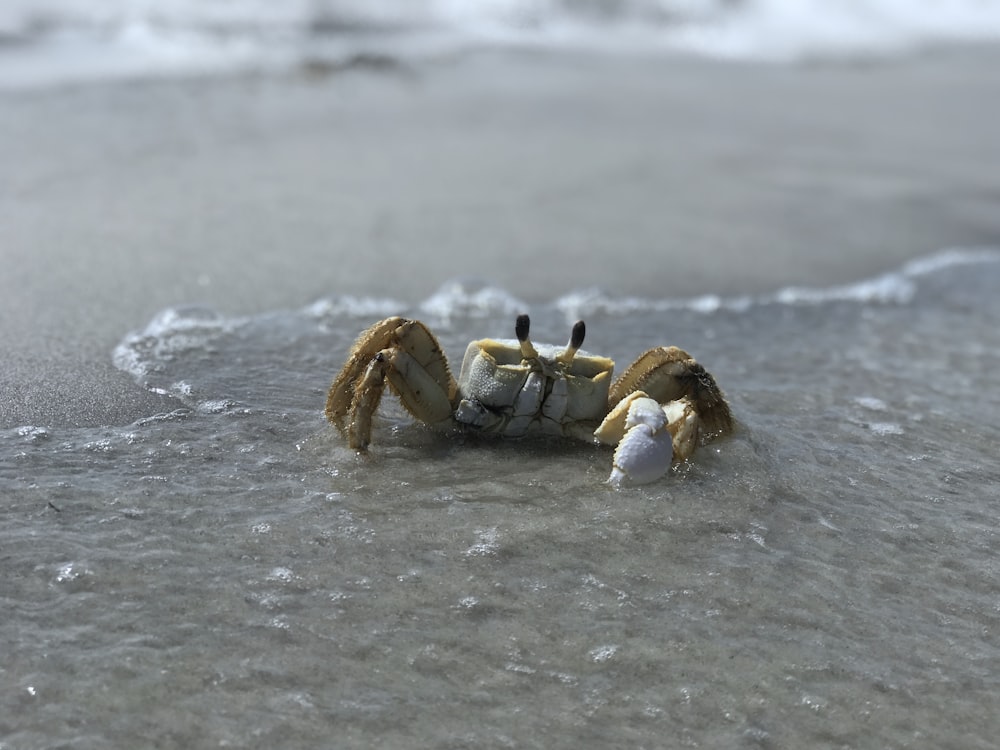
661,406
367,395
684,425
669,374
417,390
404,353
369,342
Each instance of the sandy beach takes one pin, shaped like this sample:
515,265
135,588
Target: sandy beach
217,567
538,173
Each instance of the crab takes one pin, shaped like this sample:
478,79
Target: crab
655,413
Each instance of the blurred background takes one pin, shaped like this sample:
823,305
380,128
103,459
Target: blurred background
250,155
51,41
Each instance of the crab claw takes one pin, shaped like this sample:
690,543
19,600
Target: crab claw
645,449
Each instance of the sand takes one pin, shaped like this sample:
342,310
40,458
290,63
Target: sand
538,173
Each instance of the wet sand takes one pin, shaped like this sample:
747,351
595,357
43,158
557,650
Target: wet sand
538,173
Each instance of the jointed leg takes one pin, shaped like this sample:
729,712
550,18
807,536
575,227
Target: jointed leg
371,341
405,353
669,374
660,408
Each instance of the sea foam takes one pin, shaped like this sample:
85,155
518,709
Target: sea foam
59,41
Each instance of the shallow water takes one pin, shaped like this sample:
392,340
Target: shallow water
230,574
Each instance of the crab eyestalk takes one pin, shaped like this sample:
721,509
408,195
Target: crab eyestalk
521,328
575,342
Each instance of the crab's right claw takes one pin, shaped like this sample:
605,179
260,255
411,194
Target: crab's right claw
639,428
667,374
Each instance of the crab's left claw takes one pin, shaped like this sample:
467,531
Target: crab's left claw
638,425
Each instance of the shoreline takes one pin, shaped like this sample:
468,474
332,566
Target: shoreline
539,173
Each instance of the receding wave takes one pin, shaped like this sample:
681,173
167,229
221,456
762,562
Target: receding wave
161,355
893,287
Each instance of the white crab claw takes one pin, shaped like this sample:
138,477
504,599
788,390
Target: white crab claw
645,447
684,426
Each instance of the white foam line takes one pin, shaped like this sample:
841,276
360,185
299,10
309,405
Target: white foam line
954,256
471,299
63,41
349,305
895,287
